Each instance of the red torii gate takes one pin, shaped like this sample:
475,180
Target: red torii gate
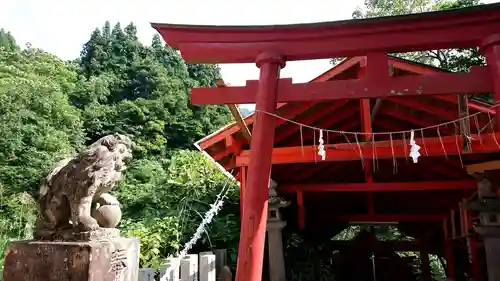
271,46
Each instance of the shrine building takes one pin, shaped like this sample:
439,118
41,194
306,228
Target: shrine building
375,139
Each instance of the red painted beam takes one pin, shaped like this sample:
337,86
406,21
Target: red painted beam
399,149
232,146
289,112
301,217
434,110
380,186
388,217
490,47
405,115
339,118
376,69
282,134
425,31
476,81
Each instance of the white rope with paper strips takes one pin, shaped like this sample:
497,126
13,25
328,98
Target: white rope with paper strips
414,151
207,219
414,154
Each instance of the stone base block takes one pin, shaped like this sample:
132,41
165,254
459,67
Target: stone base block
106,260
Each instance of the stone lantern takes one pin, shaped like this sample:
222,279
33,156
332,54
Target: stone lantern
488,207
275,224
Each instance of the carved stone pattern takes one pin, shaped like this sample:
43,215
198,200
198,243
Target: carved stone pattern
76,190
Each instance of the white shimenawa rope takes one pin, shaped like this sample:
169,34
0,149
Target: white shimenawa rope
207,219
437,126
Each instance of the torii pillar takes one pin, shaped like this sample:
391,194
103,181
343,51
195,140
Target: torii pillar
490,47
255,205
489,203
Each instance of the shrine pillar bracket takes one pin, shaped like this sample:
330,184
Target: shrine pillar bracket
255,205
490,47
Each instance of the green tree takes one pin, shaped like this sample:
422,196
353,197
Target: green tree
449,59
144,91
38,127
166,199
50,109
7,41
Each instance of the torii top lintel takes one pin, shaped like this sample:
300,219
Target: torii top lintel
242,44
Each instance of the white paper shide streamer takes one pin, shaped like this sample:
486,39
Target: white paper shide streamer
321,146
414,154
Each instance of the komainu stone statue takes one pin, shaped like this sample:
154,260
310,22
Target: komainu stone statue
74,196
75,236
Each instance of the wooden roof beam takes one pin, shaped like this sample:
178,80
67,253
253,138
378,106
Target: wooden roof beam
341,117
381,186
289,130
434,110
384,150
482,167
408,117
386,218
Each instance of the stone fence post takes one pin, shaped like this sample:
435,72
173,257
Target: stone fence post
191,268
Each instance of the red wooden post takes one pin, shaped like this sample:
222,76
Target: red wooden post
243,181
491,50
254,219
301,211
448,249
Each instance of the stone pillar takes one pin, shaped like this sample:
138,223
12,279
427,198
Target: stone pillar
147,274
274,235
488,206
189,268
207,267
220,261
490,47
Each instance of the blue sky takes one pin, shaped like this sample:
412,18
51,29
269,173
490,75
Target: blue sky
62,27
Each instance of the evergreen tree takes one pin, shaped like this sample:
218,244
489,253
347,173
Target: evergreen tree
7,41
51,108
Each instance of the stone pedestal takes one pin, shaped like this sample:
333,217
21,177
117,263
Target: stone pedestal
274,235
275,245
488,206
491,237
104,260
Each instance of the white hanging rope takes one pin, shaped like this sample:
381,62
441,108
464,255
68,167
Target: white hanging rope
207,219
414,147
444,124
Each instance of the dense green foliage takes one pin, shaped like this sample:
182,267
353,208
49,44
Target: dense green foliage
51,108
452,59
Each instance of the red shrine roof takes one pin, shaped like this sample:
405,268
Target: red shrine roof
345,187
424,31
387,115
